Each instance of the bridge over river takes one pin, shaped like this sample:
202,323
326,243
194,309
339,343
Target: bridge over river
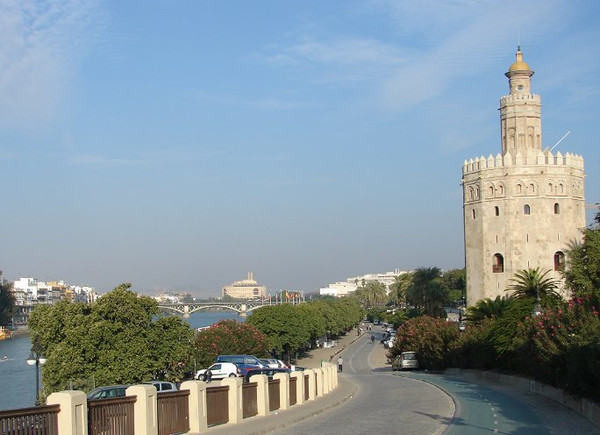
240,307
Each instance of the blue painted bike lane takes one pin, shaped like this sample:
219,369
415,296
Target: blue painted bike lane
481,410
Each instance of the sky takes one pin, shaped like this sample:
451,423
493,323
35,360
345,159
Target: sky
178,145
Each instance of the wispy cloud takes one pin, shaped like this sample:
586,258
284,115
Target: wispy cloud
96,160
436,43
40,42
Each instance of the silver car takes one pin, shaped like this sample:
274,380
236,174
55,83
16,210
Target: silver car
406,360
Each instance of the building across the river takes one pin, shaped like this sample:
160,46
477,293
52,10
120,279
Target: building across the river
245,289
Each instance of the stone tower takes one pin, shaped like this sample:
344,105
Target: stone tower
525,206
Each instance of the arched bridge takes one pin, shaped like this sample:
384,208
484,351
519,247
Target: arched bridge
241,307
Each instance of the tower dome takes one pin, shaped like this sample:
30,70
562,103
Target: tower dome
519,64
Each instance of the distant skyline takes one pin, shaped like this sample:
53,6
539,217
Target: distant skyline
180,145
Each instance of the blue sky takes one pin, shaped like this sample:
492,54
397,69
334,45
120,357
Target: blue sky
178,145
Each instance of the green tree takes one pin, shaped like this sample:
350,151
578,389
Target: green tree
427,293
399,288
455,282
119,339
531,283
7,302
371,294
583,274
284,327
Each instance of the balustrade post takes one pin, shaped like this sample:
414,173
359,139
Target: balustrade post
311,383
262,393
197,405
73,417
236,412
145,409
319,381
299,386
284,390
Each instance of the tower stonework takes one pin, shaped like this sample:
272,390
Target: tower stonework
524,207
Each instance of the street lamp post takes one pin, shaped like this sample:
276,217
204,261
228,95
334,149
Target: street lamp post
36,359
537,308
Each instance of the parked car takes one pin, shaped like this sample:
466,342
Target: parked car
108,392
270,372
243,362
272,363
219,371
162,386
406,360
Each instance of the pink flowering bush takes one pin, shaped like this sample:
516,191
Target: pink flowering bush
229,337
562,347
432,338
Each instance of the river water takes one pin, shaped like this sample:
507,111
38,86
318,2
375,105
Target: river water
17,378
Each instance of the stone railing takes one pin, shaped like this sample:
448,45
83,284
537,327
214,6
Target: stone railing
309,384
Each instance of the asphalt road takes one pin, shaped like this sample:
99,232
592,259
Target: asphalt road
420,403
384,404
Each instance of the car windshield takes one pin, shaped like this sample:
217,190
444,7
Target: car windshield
409,356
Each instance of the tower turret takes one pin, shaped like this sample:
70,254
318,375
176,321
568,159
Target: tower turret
520,111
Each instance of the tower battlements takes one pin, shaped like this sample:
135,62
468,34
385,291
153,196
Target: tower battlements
507,99
479,164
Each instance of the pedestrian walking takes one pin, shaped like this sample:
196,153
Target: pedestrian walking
340,364
372,339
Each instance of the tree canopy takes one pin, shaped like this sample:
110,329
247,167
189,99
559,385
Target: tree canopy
427,294
7,302
119,339
583,274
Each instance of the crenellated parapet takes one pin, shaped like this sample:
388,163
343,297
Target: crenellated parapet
514,98
479,164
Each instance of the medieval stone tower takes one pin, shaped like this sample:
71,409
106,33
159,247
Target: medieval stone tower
525,206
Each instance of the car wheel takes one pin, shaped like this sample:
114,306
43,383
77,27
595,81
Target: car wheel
232,375
202,377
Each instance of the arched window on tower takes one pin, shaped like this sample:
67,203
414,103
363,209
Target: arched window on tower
498,264
559,261
496,211
526,209
556,208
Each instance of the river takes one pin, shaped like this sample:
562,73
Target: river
17,378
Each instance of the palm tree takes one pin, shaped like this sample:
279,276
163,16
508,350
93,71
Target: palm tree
426,292
399,288
532,283
488,308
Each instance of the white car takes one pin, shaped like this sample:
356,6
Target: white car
219,371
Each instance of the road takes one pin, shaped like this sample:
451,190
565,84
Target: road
423,403
385,403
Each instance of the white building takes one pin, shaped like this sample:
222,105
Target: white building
343,288
31,291
245,289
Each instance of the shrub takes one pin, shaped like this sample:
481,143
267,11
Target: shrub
229,337
432,339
